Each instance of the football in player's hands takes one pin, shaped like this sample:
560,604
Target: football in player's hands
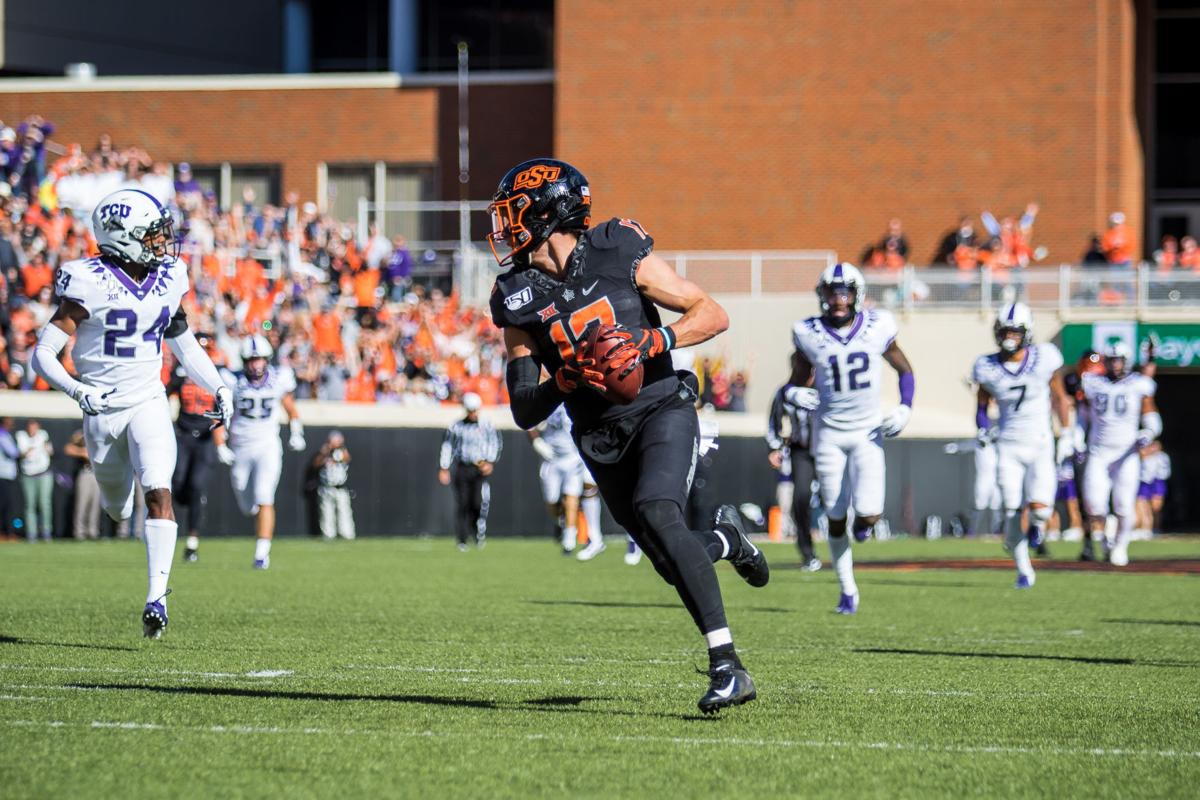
614,353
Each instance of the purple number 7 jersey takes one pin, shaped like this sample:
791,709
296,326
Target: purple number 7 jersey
119,345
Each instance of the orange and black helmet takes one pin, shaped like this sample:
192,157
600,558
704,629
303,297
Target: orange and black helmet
534,199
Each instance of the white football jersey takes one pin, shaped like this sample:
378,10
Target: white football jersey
1021,391
556,432
256,406
119,345
1115,409
848,366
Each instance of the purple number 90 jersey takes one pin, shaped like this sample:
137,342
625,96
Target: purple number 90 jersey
119,345
847,367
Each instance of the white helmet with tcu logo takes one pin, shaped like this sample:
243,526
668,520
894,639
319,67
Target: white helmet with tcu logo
132,227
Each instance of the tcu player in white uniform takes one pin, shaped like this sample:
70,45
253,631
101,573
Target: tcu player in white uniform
843,348
1120,417
1022,379
253,447
565,480
120,306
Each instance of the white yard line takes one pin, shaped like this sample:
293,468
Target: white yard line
683,741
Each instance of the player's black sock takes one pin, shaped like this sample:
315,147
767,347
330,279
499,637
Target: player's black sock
687,560
724,652
726,544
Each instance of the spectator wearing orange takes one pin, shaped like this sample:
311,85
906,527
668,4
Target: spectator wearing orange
36,274
1189,254
327,332
1117,242
1166,257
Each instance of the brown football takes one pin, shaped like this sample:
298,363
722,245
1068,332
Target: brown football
602,340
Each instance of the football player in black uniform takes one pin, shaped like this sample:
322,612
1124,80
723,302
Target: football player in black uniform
565,277
197,451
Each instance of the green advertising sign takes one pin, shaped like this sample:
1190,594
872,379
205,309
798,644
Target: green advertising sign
1178,344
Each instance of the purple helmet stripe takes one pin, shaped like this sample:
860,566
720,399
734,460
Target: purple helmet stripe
1012,311
837,271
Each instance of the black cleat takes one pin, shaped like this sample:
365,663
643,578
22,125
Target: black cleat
729,685
749,562
190,555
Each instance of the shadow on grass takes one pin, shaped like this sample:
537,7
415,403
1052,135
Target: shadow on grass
560,704
31,642
1187,623
869,580
1122,662
671,606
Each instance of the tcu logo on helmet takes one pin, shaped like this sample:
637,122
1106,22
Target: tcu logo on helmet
535,176
113,210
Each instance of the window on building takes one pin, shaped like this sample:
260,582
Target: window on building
407,184
346,184
209,177
501,35
262,181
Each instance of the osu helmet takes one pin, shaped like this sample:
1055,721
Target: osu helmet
535,199
1013,318
132,227
256,351
1116,358
842,278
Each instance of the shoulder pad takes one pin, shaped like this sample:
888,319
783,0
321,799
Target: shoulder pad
621,234
510,295
81,282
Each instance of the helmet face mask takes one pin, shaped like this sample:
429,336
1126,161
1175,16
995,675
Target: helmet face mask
1013,328
1011,338
840,293
256,352
134,229
1116,360
535,199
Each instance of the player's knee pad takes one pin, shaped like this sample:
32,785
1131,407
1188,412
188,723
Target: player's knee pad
836,527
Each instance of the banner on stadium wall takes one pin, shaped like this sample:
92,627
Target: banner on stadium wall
1178,344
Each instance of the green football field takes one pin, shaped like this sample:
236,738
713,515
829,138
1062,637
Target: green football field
402,668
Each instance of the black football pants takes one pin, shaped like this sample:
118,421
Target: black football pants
647,491
193,471
803,471
471,493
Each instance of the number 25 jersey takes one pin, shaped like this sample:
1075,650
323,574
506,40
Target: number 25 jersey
255,407
119,345
847,366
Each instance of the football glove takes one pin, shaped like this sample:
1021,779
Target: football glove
895,421
802,397
296,439
983,437
1144,437
225,454
222,413
543,449
92,400
647,342
578,371
1064,448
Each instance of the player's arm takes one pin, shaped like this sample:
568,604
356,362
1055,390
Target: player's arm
51,341
898,417
983,400
1151,422
799,391
198,365
530,398
703,318
295,426
540,445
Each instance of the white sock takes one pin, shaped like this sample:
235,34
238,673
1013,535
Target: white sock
718,637
160,551
1124,532
843,563
591,513
569,537
1012,530
1020,553
262,549
193,542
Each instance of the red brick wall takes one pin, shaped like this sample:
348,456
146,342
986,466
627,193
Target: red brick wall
296,128
808,124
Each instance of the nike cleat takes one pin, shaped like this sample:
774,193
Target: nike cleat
812,565
262,563
592,550
861,534
749,562
190,556
729,685
1024,581
633,554
154,619
848,603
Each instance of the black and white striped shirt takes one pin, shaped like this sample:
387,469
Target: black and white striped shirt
800,427
469,443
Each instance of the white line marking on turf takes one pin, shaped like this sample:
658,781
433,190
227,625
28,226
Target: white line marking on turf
23,697
782,744
270,673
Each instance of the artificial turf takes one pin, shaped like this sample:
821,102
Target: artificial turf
403,668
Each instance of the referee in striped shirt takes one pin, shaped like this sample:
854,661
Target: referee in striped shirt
469,453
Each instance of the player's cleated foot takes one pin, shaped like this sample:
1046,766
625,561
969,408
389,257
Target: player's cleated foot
1119,557
861,534
481,541
728,685
592,550
1087,554
748,560
1024,581
633,555
262,563
1035,537
462,547
812,565
190,555
847,603
154,619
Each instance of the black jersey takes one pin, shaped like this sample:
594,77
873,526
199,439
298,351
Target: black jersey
600,287
194,402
